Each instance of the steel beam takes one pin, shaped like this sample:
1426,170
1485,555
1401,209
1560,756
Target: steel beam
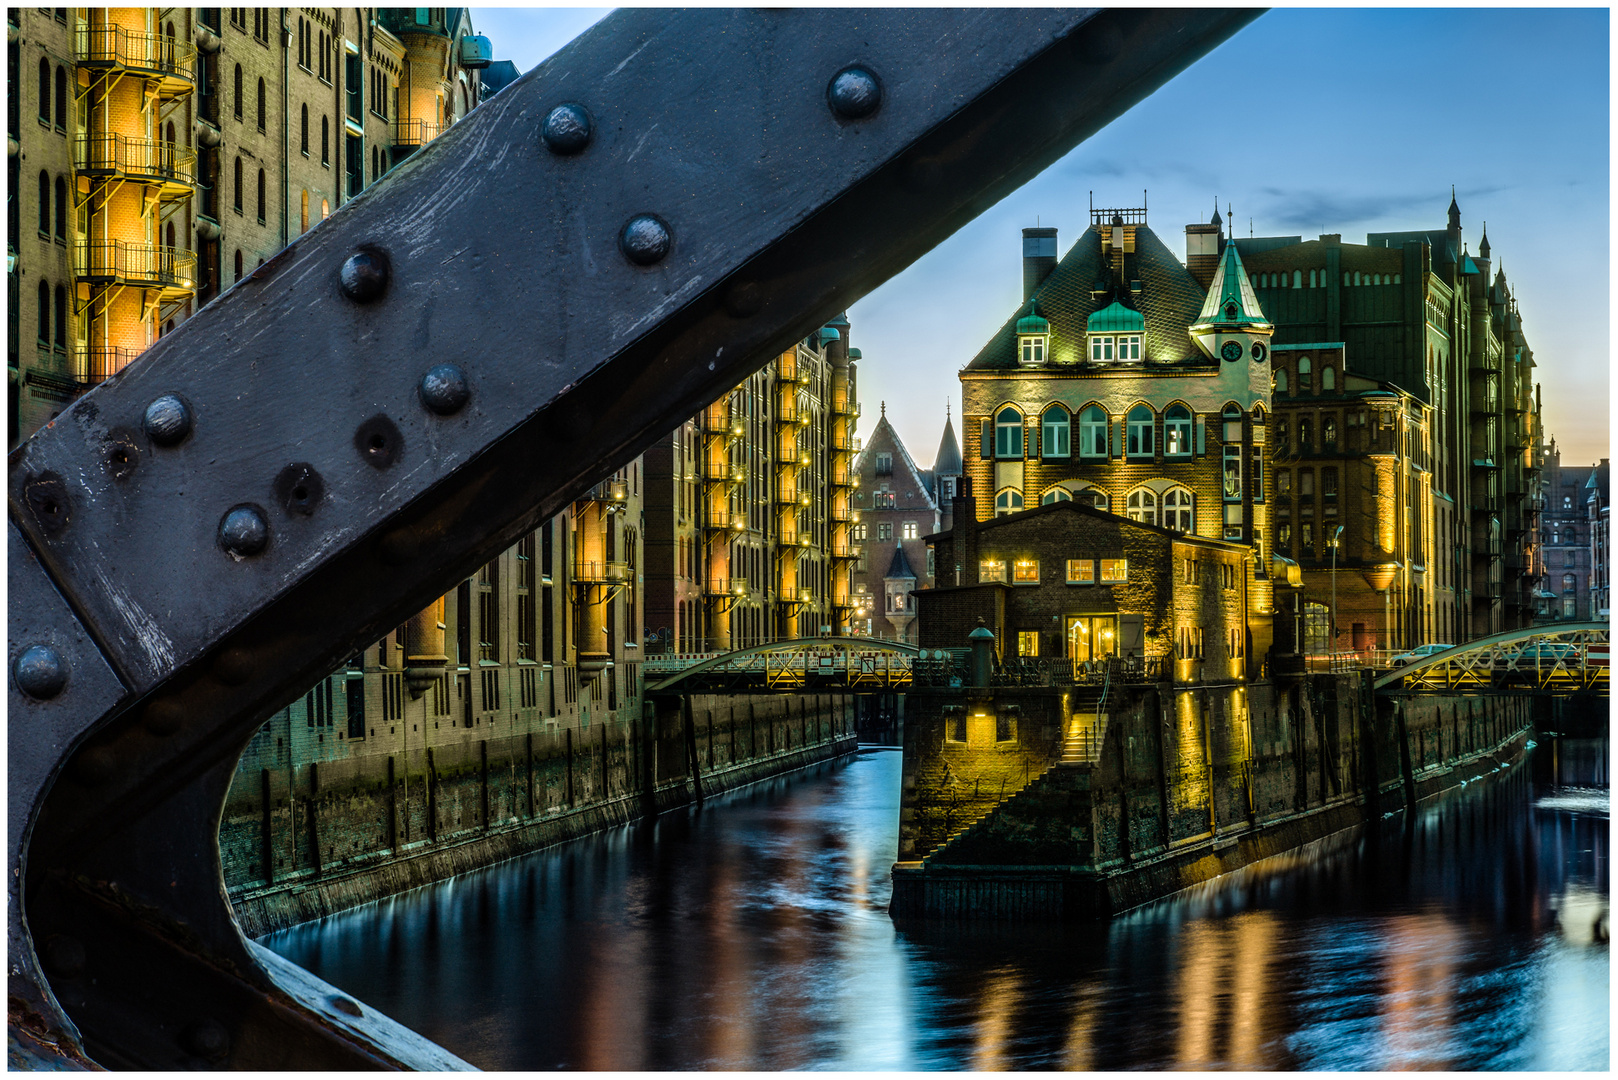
589,258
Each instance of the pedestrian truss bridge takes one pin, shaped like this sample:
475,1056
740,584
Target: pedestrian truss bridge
1568,658
847,663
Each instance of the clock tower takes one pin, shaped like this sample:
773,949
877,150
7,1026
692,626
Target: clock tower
1232,327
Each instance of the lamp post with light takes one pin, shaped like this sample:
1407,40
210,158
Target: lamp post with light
1332,543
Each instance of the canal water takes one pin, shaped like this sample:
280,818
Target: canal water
753,934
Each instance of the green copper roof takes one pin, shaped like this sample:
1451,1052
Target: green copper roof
1231,302
1116,319
1033,322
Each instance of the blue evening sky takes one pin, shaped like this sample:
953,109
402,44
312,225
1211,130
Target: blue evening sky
1370,116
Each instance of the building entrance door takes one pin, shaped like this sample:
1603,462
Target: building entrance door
1090,637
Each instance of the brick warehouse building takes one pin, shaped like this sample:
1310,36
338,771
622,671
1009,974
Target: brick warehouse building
1132,383
1418,312
1565,543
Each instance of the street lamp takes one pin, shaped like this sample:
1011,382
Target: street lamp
1332,543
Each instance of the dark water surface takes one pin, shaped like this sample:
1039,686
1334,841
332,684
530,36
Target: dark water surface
753,934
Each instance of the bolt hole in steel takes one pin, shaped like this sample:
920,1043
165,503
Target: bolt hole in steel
645,239
168,420
40,672
379,442
365,275
566,129
46,496
243,532
298,488
854,93
443,389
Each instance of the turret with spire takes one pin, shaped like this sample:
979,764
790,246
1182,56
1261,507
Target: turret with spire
1232,325
947,471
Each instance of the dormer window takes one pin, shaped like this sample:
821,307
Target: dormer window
1033,338
1106,348
1115,334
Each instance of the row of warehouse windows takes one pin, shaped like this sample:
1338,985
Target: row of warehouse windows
1078,571
1317,279
1178,505
1005,436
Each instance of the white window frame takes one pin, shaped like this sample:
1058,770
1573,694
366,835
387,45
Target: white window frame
1179,510
1093,433
1181,426
1056,433
1141,506
1007,501
1140,432
1032,349
1006,432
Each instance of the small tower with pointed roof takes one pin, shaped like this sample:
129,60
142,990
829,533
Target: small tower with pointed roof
1232,326
898,603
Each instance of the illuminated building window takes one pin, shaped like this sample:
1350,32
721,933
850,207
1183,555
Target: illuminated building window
1027,645
1114,571
1177,431
1141,422
1141,506
1093,432
1056,426
1081,571
1177,510
1008,501
1025,572
1008,442
884,531
909,530
991,570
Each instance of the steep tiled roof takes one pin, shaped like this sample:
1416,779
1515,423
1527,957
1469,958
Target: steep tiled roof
884,437
1170,299
900,566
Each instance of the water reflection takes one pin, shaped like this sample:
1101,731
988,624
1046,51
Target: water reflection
754,935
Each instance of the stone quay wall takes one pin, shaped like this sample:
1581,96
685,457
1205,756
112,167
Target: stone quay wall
304,841
1180,785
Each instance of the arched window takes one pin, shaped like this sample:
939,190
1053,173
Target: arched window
303,213
170,234
238,276
44,331
237,86
1008,501
1305,377
1306,435
325,140
1141,506
1328,431
1177,431
1057,427
1141,421
1008,433
61,209
1093,432
303,129
236,176
1056,495
1281,380
61,317
61,97
44,90
1328,378
325,209
1311,279
44,203
261,195
1297,279
261,110
1177,510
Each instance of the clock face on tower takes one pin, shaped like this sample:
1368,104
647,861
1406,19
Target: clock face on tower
1232,350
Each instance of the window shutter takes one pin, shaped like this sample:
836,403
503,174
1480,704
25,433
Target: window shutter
1202,436
986,443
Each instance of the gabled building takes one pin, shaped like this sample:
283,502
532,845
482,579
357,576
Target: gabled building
898,505
1127,382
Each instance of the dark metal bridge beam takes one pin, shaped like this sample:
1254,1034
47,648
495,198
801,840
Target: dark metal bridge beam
590,257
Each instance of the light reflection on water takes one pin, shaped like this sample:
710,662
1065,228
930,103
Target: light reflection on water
754,935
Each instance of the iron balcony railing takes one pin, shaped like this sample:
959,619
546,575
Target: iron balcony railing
141,159
610,572
415,132
112,45
144,265
95,366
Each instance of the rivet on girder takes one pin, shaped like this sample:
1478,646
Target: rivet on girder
163,716
444,390
566,129
645,239
854,93
40,672
365,275
168,420
243,532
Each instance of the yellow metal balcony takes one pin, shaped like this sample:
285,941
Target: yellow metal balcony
415,132
171,61
149,161
144,266
600,573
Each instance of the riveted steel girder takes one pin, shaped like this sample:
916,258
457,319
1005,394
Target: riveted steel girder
587,259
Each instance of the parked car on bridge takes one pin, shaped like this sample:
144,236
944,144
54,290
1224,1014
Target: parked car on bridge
1420,652
1539,654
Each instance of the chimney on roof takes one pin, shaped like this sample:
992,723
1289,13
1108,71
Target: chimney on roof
1203,245
1038,259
